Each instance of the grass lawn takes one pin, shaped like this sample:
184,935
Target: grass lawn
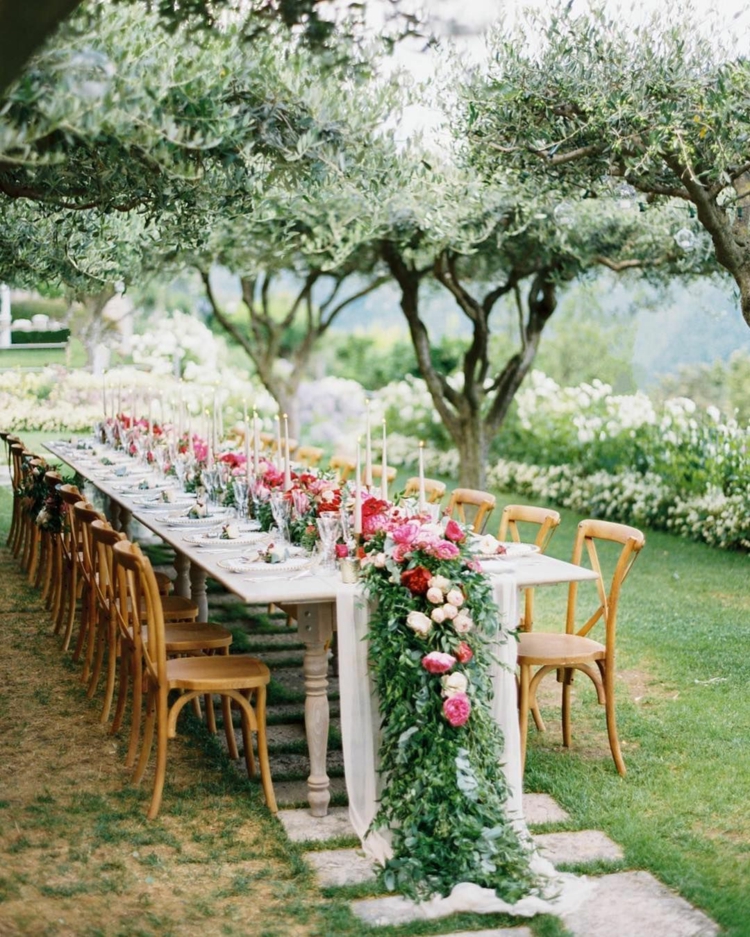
19,357
684,718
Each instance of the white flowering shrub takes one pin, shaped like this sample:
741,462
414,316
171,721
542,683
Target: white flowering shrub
179,337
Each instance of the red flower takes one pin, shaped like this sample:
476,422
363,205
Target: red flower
463,653
373,506
342,550
416,580
454,532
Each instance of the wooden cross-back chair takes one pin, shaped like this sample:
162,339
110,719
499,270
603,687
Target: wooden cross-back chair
35,468
308,456
15,452
69,584
516,519
235,677
84,515
183,636
343,466
540,653
48,552
471,506
433,489
390,472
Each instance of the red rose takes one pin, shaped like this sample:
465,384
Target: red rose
454,532
342,550
416,580
463,653
373,506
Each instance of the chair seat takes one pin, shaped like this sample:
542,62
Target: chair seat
214,674
176,607
182,637
538,647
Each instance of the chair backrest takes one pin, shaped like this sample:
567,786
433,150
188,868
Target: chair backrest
70,496
433,489
377,472
84,515
103,539
632,542
138,608
343,466
545,519
309,456
471,506
17,452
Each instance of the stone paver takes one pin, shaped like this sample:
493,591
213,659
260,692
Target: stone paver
300,825
573,848
541,808
494,932
635,904
336,867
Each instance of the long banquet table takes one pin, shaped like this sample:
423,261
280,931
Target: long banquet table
324,604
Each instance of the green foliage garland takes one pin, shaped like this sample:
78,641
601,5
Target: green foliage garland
445,794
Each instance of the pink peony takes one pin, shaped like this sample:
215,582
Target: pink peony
401,552
437,662
454,532
438,615
457,709
455,597
404,534
450,611
445,550
435,596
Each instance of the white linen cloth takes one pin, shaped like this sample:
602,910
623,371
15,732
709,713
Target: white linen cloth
360,721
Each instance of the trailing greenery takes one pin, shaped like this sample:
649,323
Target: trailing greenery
444,793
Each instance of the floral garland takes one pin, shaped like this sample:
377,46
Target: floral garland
444,794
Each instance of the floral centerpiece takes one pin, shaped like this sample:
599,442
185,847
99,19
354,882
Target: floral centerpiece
431,630
310,496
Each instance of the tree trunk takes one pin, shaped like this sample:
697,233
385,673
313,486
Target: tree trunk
472,449
23,28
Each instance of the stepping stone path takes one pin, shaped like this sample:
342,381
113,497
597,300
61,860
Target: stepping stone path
620,904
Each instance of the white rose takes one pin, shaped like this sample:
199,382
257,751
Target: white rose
440,582
462,623
450,611
438,616
453,683
419,623
487,545
455,597
435,596
378,561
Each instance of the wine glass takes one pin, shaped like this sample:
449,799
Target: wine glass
281,510
329,527
240,488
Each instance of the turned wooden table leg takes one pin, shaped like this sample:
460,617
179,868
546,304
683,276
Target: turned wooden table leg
182,568
125,519
315,627
198,590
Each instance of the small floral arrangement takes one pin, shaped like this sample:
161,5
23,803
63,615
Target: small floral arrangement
432,625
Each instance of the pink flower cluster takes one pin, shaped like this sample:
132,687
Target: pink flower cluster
414,535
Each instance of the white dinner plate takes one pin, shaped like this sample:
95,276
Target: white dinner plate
512,551
181,519
295,564
212,539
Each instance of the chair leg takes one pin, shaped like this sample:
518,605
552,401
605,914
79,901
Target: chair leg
265,766
109,686
122,692
523,712
567,679
148,738
72,603
226,709
136,707
161,755
34,554
614,741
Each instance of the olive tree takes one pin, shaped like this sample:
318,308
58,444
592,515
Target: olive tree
591,103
